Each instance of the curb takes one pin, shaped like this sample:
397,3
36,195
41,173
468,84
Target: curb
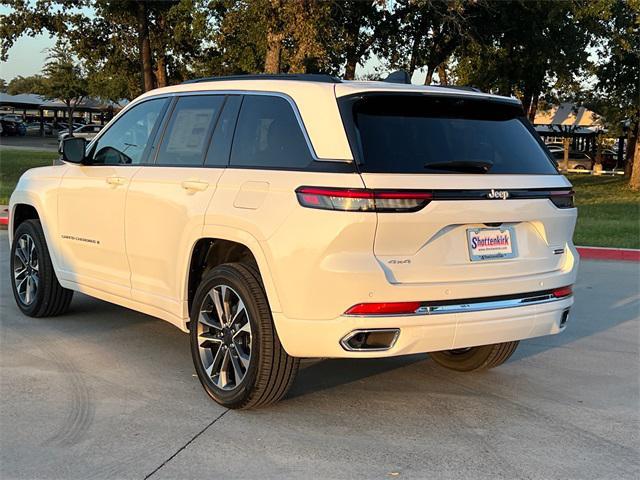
4,217
603,253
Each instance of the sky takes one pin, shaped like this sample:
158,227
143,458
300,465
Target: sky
28,54
26,57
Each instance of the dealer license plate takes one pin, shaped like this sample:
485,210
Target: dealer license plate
491,243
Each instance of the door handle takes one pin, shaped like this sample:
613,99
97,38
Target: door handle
114,180
194,185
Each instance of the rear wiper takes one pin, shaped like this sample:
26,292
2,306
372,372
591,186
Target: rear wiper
469,166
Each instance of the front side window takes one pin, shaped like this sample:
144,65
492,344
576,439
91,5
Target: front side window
126,140
187,135
268,135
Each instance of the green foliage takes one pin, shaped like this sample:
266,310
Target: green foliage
63,77
528,48
20,84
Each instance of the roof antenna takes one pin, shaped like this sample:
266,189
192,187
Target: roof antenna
399,76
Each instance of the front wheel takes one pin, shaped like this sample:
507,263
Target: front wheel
234,345
33,280
475,358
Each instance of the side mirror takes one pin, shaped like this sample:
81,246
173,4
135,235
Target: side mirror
73,149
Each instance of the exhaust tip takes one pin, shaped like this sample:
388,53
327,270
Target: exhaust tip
374,340
564,318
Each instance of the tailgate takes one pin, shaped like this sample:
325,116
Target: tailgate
432,245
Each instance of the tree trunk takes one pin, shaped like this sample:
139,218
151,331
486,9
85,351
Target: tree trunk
350,68
274,51
144,46
634,182
70,119
442,74
275,36
413,61
534,106
634,161
161,71
429,78
566,142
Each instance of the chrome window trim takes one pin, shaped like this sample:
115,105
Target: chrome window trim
481,306
286,97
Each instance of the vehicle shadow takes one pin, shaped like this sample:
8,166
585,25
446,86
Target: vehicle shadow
317,375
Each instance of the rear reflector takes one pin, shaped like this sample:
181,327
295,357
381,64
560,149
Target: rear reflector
362,200
393,308
562,198
562,292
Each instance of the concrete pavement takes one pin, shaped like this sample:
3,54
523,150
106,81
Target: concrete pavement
104,392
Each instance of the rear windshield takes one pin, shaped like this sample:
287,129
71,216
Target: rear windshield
420,134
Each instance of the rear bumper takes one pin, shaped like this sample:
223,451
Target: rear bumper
423,333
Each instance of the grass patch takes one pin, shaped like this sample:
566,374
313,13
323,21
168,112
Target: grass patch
608,212
14,163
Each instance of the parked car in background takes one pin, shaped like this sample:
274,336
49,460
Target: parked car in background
577,160
84,131
12,127
34,127
555,148
609,159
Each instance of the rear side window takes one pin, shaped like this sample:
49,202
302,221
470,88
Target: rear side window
187,134
268,135
420,134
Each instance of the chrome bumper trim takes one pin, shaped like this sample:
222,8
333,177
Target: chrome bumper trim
489,305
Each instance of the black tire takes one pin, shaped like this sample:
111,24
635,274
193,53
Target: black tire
475,358
50,298
270,371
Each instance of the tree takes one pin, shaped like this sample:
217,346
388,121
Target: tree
617,91
20,84
3,85
526,48
64,79
150,41
425,33
353,28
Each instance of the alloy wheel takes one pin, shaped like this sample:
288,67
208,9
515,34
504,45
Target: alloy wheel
26,271
224,337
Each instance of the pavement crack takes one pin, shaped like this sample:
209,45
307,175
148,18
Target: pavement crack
186,444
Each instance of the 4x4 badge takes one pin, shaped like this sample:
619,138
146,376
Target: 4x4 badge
502,194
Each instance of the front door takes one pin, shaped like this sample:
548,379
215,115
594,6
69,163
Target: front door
166,202
92,198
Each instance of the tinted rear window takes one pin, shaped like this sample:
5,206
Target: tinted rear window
419,134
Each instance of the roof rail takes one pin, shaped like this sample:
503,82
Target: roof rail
299,77
466,88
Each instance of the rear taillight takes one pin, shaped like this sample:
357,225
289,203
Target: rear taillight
562,198
362,200
388,308
562,292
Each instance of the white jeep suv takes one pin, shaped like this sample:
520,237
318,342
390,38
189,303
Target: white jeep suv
280,217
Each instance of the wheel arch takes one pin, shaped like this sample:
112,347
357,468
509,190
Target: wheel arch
220,245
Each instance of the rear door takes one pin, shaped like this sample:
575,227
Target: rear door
491,213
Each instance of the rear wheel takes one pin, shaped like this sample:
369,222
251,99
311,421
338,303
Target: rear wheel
34,283
475,358
234,345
